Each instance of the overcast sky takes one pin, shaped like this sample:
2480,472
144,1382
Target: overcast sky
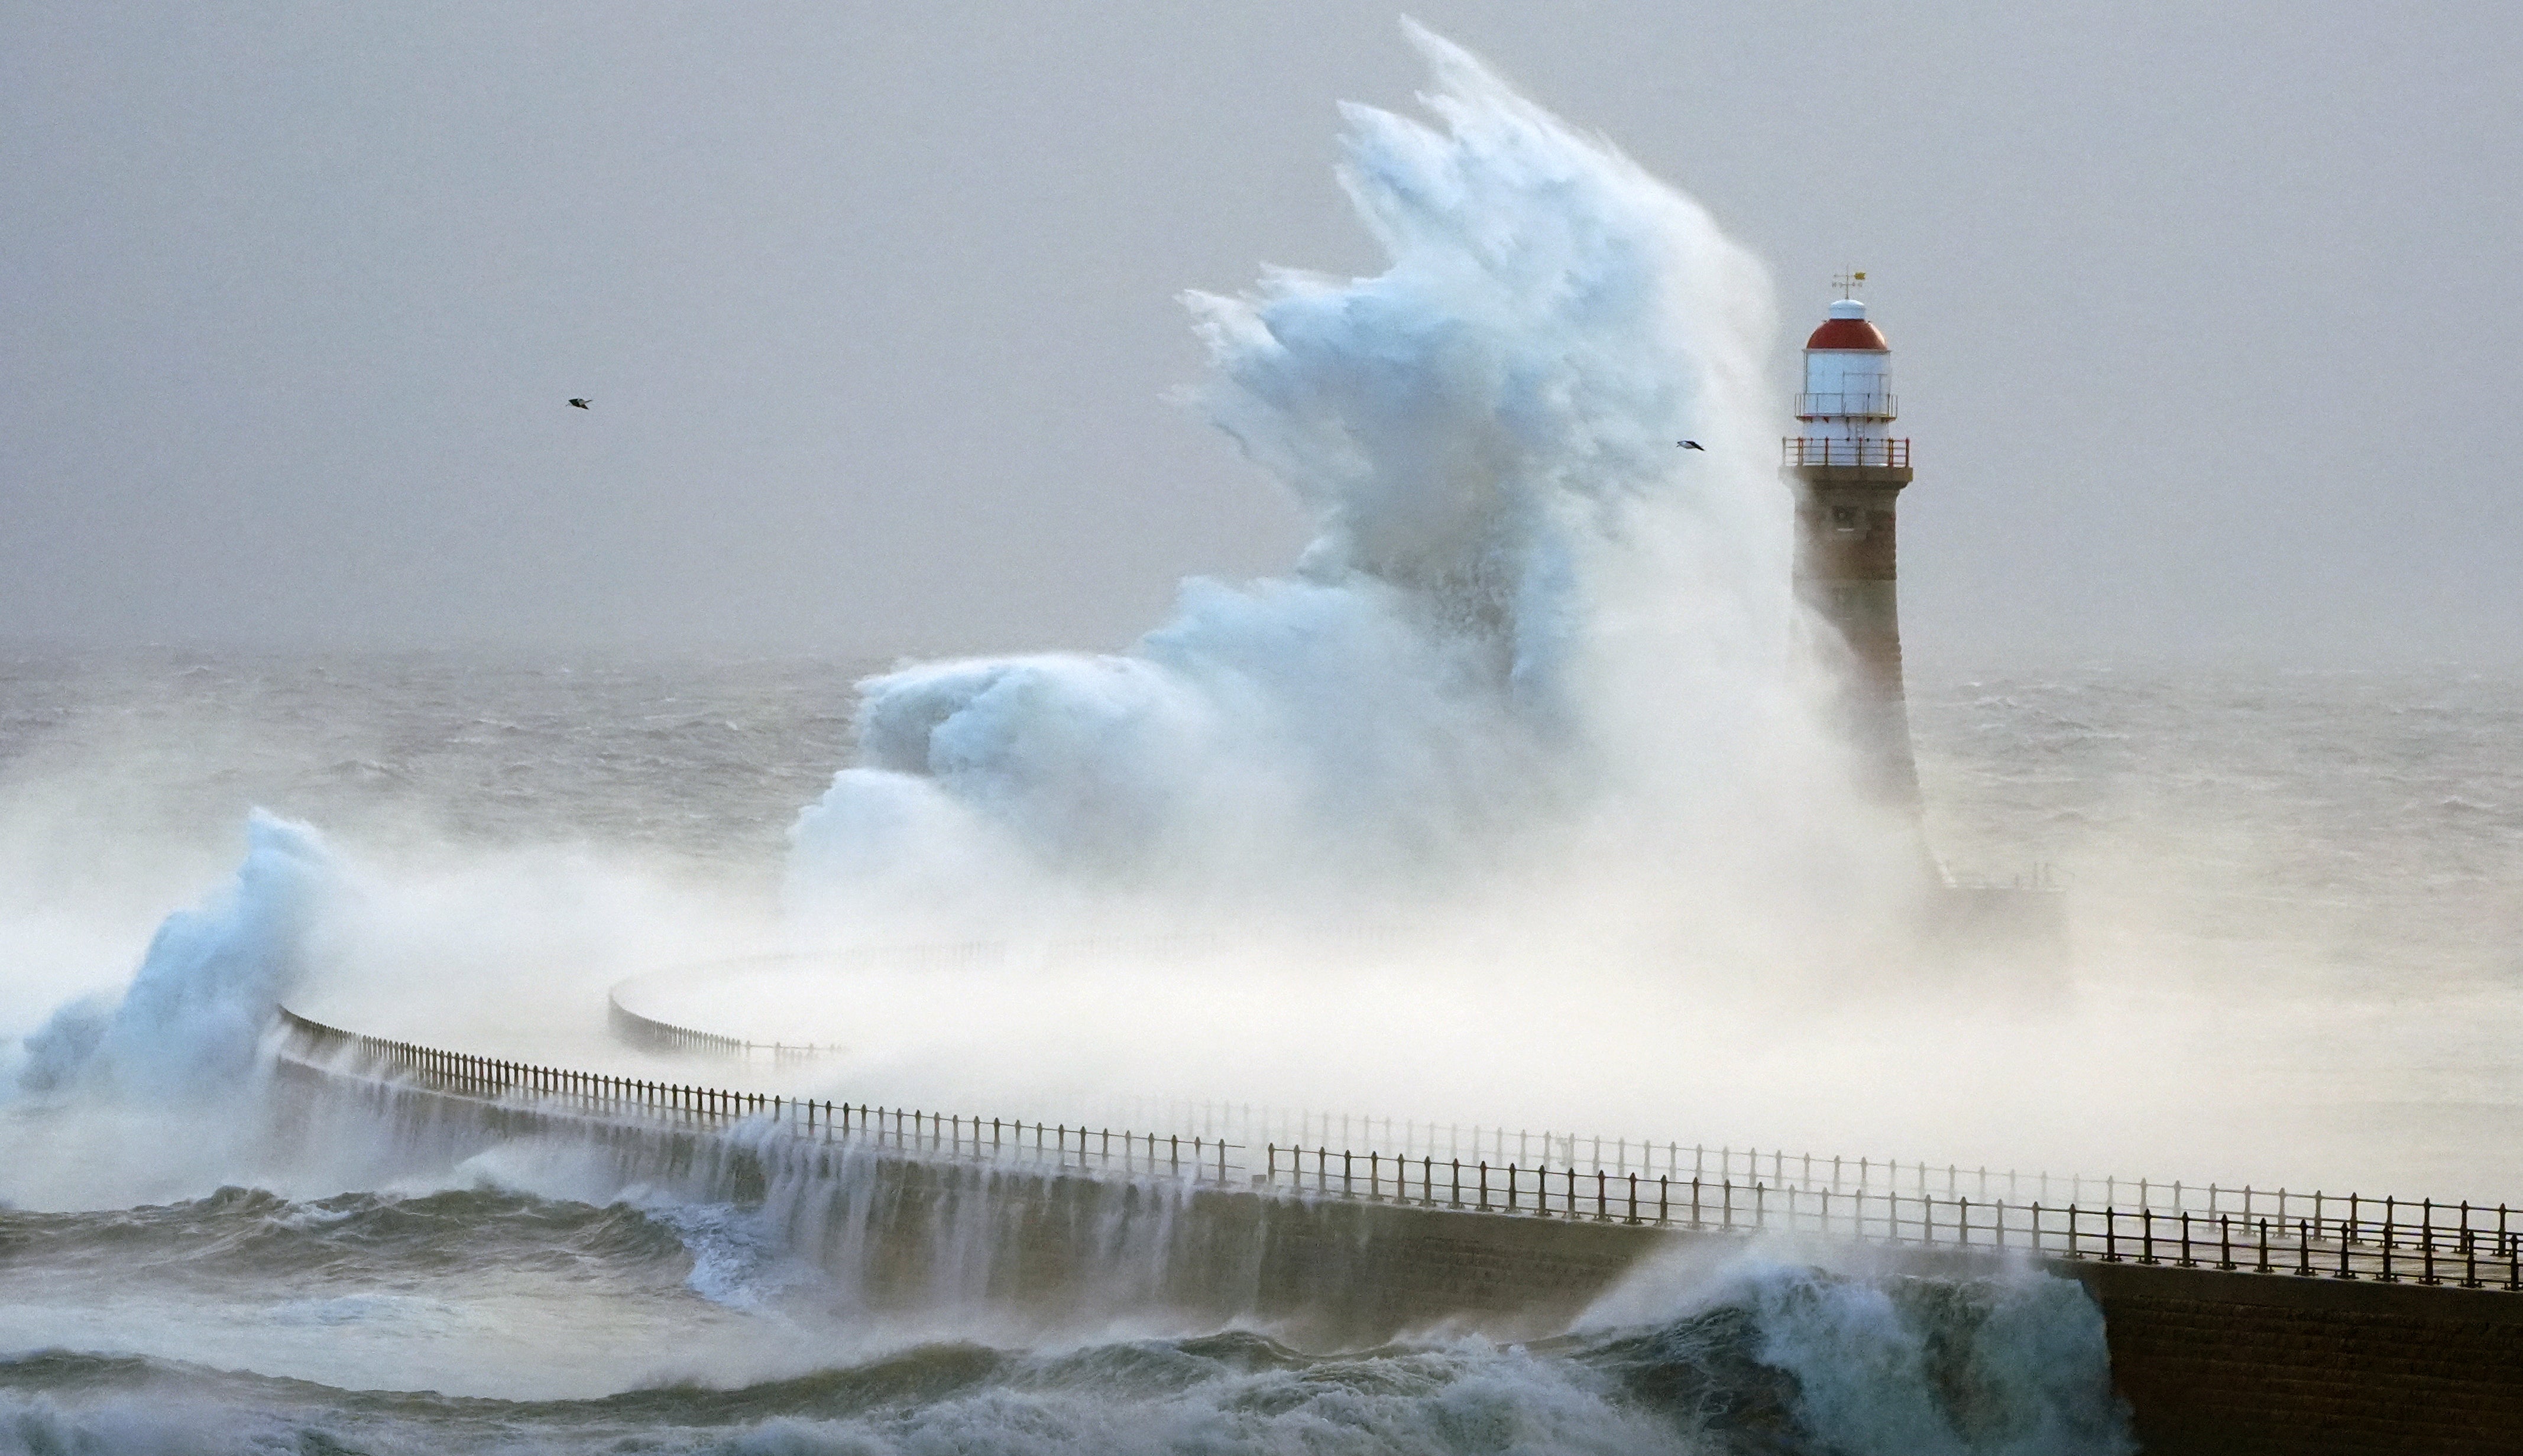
2200,311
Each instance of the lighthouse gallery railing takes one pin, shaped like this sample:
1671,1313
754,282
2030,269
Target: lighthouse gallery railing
1823,451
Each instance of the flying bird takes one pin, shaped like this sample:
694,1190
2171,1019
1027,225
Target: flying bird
583,404
1689,445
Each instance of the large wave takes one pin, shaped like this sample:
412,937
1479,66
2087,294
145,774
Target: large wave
1522,604
204,992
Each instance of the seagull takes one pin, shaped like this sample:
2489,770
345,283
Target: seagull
583,404
1689,445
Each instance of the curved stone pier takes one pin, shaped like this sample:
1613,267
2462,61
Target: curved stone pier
2336,1360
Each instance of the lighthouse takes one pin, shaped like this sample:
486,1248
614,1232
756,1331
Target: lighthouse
1848,469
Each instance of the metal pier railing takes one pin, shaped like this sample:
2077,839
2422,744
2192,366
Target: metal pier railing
2389,1240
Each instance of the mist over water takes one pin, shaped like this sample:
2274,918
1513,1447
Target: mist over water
1513,801
2092,771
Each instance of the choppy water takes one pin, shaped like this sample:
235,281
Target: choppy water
2350,834
402,1320
1539,680
2364,828
707,760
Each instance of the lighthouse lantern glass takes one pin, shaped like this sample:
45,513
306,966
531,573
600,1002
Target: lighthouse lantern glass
1848,392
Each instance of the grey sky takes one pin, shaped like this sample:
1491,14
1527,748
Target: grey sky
2200,310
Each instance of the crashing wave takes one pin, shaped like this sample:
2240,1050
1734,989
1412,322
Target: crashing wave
1521,603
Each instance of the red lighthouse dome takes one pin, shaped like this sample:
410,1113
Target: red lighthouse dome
1847,328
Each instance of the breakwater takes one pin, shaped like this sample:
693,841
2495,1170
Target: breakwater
2374,1326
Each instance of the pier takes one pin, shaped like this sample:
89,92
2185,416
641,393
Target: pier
2239,1320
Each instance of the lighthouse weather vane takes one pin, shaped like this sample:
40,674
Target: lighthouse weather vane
1849,283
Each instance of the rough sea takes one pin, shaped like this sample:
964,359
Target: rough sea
2351,839
1514,801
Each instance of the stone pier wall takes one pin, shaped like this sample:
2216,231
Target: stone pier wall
911,1233
2234,1364
2220,1364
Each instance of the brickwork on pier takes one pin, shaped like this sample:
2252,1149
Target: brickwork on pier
2220,1364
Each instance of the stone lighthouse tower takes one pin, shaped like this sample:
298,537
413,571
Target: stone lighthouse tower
1848,471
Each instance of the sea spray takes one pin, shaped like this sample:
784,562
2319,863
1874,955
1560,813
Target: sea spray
1522,604
1856,1348
1896,1365
205,990
1810,1345
1762,1363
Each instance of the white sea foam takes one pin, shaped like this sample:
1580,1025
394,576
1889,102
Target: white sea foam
1898,1366
204,991
1524,614
740,1257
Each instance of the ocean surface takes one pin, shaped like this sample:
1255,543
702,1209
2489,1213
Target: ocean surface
2347,843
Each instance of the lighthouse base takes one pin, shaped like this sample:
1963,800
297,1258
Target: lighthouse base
2010,939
